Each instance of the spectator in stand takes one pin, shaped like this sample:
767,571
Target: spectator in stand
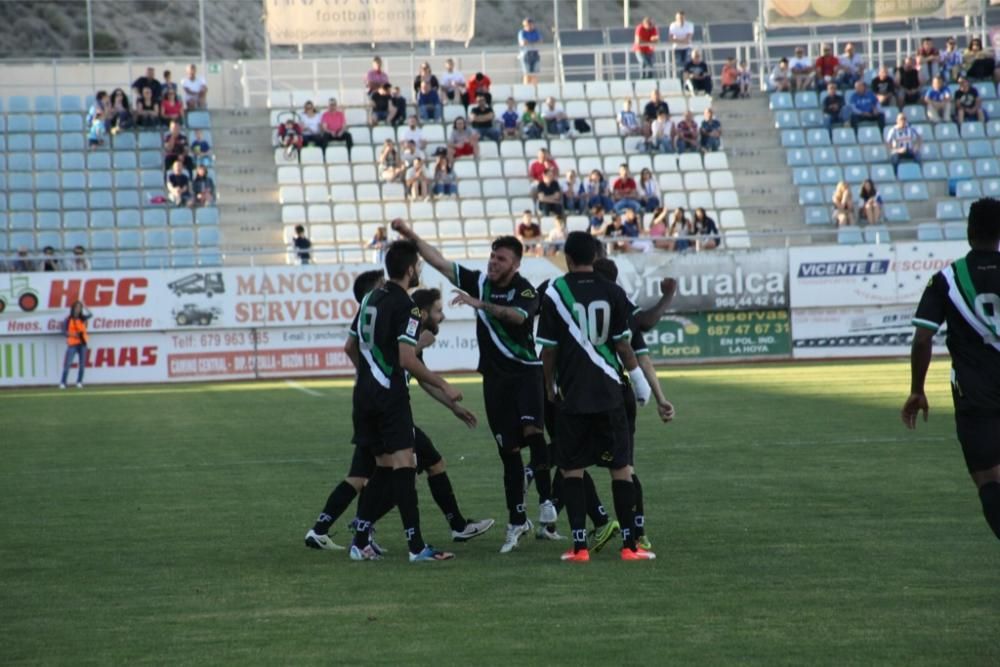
376,77
744,79
928,59
290,137
397,103
410,153
951,61
148,80
908,82
662,134
937,99
697,76
652,110
597,220
827,66
834,108
528,40
418,184
802,70
99,107
903,142
147,110
168,84
843,205
203,187
628,122
649,191
574,198
80,261
633,229
624,191
121,111
644,47
705,229
179,186
658,229
478,84
871,203
452,83
978,62
195,89
681,34
529,233
171,109
23,264
687,135
379,242
201,150
710,132
334,125
424,76
445,181
412,132
302,245
542,163
175,148
550,200
612,229
97,131
556,238
968,105
597,191
510,120
462,141
390,164
884,87
730,79
381,111
482,119
556,121
852,67
312,126
863,107
429,103
780,80
49,260
532,123
681,230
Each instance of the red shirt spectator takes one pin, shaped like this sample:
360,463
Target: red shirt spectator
479,83
624,186
644,33
333,120
827,64
538,167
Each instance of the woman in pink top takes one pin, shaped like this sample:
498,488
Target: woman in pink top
334,125
376,76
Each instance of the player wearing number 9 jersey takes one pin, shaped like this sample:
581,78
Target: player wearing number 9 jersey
966,297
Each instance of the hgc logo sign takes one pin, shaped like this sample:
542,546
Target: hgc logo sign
98,292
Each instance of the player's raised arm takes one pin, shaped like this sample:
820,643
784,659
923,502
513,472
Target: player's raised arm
430,254
920,362
647,319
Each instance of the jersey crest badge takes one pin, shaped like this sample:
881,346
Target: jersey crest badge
528,294
415,311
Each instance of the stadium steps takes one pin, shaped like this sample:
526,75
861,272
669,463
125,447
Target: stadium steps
247,181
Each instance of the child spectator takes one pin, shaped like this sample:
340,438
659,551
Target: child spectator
417,182
203,187
745,77
532,123
597,219
730,79
379,243
147,109
628,122
556,237
100,106
290,137
201,149
444,175
529,232
302,245
168,84
556,121
462,141
96,134
834,108
511,120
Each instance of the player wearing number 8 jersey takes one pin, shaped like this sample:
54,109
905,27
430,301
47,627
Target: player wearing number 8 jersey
966,297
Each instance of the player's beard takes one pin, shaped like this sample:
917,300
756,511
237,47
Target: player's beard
414,280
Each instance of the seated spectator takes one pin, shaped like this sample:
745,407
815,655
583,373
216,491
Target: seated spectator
398,103
424,76
843,205
744,78
511,120
978,62
478,84
662,134
705,230
376,77
730,79
532,123
482,118
121,112
290,137
201,149
652,110
147,80
937,100
171,109
175,148
445,181
556,237
614,228
556,121
780,79
203,187
596,190
632,229
195,89
628,122
410,152
302,245
379,243
462,141
871,202
624,191
903,142
452,83
710,132
863,107
802,70
390,164
179,186
418,184
852,67
834,108
97,130
951,61
312,126
49,260
428,102
80,261
968,105
412,132
649,190
884,87
147,109
687,135
543,162
908,82
928,59
23,264
334,126
659,230
597,220
827,67
549,193
528,39
529,233
680,231
381,111
574,198
697,75
168,84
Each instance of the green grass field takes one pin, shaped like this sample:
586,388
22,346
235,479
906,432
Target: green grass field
795,520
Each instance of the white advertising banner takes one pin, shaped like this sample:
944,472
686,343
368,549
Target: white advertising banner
866,275
872,331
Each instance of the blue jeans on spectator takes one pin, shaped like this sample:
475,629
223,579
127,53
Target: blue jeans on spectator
711,143
603,200
647,64
896,158
560,126
661,145
79,351
574,204
430,112
532,131
681,58
445,189
651,204
684,146
623,204
488,133
530,61
840,119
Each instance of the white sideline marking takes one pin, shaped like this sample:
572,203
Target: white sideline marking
304,390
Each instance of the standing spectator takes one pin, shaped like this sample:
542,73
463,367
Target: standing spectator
99,107
644,47
334,125
652,110
951,61
556,121
697,76
681,34
381,111
203,187
482,118
201,149
80,261
171,109
662,134
705,230
550,199
744,78
978,62
412,132
529,233
302,245
834,108
827,66
452,82
376,77
649,191
730,79
532,123
852,67
397,104
424,76
780,80
195,89
428,103
628,122
179,186
574,199
175,148
462,141
711,132
390,164
843,205
379,242
863,107
49,260
312,126
290,137
444,174
908,81
624,191
478,84
871,202
97,130
168,84
74,328
686,136
147,110
511,120
121,111
928,59
903,142
937,99
418,184
528,39
542,163
148,80
802,70
967,103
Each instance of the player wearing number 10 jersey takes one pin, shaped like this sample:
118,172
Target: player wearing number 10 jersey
966,296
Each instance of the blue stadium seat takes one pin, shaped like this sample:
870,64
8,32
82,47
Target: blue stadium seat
199,120
154,217
182,237
804,176
48,220
155,237
960,169
150,140
824,155
45,103
47,142
151,178
935,171
22,239
991,187
75,219
987,167
207,216
955,231
124,160
987,91
71,122
817,215
73,161
181,216
126,179
791,138
849,155
73,239
98,160
99,180
811,118
943,131
875,153
929,231
123,141
72,142
882,173
784,120
48,239
967,206
849,236
856,173
952,150
208,236
129,217
150,160
915,113
101,199
18,103
45,123
798,157
993,128
909,171
21,220
48,201
47,180
817,137
896,212
19,143
183,259
979,148
131,260
74,199
830,174
806,99
890,191
869,135
877,234
21,201
949,209
781,101
102,240
70,103
127,199
915,191
209,257
19,123
46,161
930,151
21,180
102,219
129,239
972,130
811,195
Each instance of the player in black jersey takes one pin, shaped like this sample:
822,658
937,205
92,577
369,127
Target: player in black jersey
505,305
382,345
966,296
584,331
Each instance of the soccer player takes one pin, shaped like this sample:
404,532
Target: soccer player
966,295
382,345
584,331
505,305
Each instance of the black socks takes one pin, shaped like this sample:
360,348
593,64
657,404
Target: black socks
444,496
513,486
404,491
989,494
340,499
640,516
624,497
539,462
576,511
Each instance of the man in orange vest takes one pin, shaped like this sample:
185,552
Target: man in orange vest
75,328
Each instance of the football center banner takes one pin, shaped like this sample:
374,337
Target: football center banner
783,13
368,21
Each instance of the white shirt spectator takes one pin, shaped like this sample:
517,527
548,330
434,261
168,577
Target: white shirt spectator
555,112
449,80
681,32
311,124
192,88
415,135
854,63
799,63
662,129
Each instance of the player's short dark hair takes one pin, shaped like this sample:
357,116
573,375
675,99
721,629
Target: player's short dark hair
425,298
600,250
606,268
984,220
366,282
580,248
400,256
509,242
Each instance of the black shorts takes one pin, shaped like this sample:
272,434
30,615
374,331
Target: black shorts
427,455
362,463
513,402
980,440
383,425
600,438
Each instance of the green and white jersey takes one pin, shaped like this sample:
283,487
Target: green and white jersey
387,317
